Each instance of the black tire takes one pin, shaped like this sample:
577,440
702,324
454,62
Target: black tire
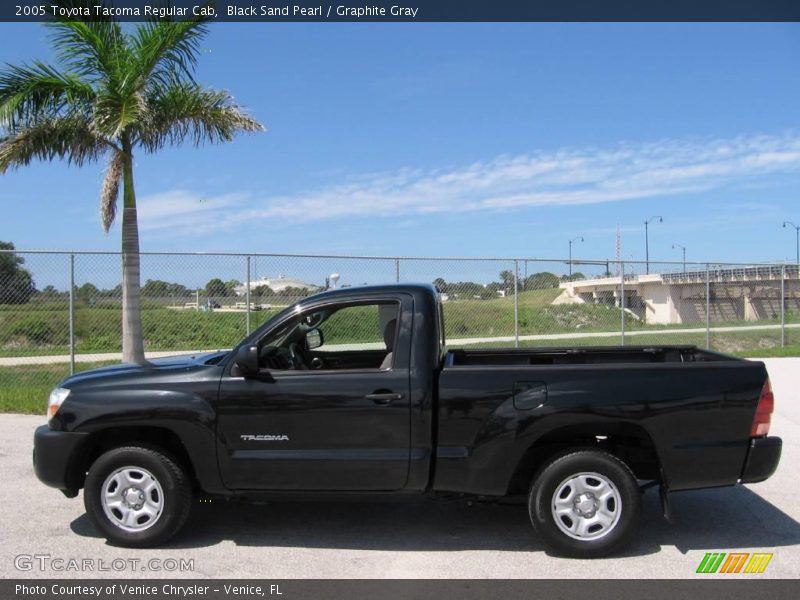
174,502
621,507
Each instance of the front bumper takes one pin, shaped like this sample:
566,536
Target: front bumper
55,458
762,459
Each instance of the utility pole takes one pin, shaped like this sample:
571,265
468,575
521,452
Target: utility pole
684,254
577,239
647,240
797,240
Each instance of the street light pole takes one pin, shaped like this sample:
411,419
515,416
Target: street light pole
577,239
797,240
684,254
647,241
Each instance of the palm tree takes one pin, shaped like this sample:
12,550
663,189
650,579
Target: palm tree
113,91
507,278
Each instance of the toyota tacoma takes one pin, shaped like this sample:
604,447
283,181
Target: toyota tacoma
353,391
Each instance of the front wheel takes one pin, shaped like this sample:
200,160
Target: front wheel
584,504
137,497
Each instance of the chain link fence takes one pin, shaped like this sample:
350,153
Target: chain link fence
61,312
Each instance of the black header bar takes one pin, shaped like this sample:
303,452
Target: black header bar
413,10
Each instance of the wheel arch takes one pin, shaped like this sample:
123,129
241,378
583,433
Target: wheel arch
100,442
629,442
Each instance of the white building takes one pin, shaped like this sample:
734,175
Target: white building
277,285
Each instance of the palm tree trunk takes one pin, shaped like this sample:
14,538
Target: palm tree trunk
132,343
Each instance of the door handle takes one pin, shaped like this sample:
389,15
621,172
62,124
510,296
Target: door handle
384,397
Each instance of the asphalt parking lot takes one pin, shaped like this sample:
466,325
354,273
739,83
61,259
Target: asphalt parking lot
410,539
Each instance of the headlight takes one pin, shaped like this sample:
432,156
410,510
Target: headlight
57,396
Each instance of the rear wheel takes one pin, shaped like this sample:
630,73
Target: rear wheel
584,504
136,496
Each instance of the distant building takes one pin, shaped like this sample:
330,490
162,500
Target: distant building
277,285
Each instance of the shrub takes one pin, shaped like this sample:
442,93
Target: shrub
36,330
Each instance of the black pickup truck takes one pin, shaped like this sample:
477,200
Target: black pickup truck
353,391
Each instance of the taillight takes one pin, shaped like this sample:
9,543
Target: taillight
766,404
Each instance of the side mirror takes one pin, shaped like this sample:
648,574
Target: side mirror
247,360
313,339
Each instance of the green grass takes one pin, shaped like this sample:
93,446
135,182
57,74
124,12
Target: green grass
25,332
24,389
42,328
777,352
485,318
743,344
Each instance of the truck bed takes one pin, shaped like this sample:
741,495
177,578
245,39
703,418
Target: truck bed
692,407
582,356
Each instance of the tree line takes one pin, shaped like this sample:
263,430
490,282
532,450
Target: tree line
89,293
17,286
543,280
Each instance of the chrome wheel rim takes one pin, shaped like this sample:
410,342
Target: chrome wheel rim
586,506
132,498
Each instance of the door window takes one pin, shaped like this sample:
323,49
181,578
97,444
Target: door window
340,337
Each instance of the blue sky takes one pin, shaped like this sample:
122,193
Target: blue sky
462,139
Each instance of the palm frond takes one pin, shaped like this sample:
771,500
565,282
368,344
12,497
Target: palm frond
93,48
30,92
115,112
167,51
71,138
110,192
188,111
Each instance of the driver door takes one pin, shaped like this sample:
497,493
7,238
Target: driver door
342,424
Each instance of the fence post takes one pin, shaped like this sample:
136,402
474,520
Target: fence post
516,304
708,307
622,302
72,314
525,280
397,270
247,297
783,305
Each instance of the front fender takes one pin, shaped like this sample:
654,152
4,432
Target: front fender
187,415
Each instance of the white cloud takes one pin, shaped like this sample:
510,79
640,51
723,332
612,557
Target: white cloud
573,176
183,210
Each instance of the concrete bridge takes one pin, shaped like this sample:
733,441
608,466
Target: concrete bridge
747,293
